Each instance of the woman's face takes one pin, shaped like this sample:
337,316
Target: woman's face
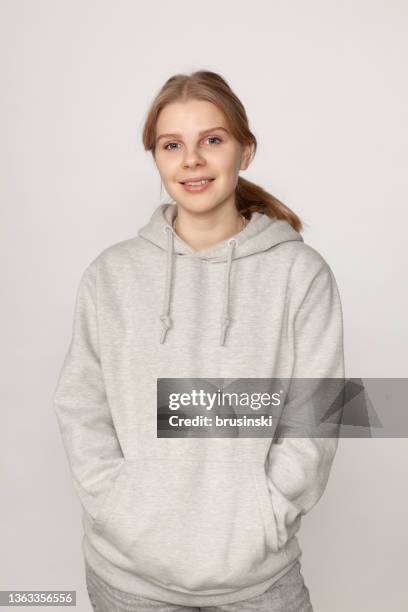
193,140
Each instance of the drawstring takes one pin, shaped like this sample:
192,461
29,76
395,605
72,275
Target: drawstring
165,315
225,321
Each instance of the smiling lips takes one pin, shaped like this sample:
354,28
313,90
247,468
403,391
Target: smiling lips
199,184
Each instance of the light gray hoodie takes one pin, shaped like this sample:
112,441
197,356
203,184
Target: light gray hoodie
194,521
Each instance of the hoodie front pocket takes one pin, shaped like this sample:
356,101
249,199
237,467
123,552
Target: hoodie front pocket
282,517
188,525
266,506
110,500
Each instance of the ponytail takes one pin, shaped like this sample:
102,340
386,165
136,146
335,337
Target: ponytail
250,198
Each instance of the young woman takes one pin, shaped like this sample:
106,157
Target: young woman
217,285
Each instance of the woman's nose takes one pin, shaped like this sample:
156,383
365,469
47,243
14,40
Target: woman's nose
192,158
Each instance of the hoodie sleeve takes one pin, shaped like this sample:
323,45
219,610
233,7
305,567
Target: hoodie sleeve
80,403
298,468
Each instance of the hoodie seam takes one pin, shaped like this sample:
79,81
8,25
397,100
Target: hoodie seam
136,459
309,289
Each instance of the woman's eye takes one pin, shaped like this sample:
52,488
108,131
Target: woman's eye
168,146
213,138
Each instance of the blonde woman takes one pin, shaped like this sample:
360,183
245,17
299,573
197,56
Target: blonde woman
218,284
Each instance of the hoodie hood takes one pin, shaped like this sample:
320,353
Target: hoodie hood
260,234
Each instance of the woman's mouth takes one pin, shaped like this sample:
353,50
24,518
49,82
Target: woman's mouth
193,186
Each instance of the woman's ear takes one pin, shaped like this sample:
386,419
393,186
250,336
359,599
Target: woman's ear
246,156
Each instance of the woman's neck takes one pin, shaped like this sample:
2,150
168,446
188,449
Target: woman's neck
203,231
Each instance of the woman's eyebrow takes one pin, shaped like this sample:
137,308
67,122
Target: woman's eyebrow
200,134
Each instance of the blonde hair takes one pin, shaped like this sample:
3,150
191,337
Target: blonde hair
211,87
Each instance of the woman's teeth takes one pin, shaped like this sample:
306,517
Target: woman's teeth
199,182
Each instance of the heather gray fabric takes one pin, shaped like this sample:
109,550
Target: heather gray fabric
194,521
288,594
261,234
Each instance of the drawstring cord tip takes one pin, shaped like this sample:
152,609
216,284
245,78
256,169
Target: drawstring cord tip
166,322
224,326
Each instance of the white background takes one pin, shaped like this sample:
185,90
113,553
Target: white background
325,88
